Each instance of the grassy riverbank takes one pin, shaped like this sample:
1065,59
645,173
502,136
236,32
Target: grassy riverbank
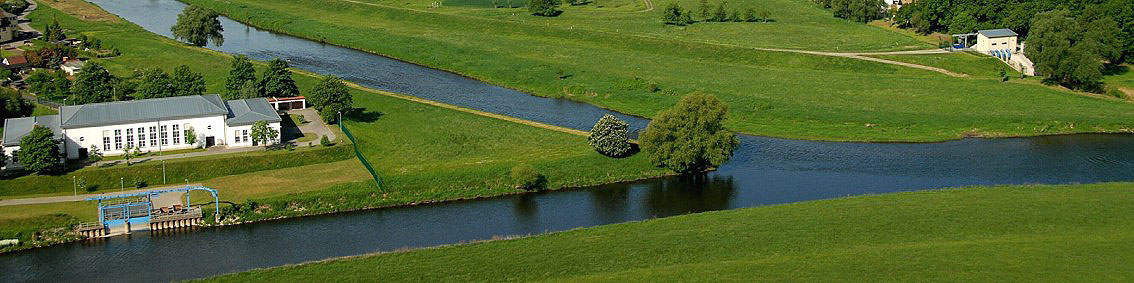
618,66
424,152
1024,233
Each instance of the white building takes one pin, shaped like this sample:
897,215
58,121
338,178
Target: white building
150,125
996,41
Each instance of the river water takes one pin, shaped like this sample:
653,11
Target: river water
763,171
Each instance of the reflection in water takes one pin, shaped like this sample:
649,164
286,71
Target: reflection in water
763,171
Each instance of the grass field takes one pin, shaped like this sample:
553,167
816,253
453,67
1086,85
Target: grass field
770,93
972,64
1027,233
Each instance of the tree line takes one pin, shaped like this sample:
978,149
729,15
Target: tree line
856,10
674,14
1071,41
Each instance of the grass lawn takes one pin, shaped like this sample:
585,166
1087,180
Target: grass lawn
610,60
1025,233
152,154
43,110
972,64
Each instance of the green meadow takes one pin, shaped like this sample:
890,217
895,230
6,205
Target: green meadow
629,62
1018,233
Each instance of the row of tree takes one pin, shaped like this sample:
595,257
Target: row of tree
674,14
95,84
275,81
1073,51
856,10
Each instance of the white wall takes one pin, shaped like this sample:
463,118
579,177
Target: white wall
93,136
236,133
985,44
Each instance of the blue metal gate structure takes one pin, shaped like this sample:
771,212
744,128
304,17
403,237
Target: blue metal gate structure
137,208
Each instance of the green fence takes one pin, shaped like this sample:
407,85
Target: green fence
358,153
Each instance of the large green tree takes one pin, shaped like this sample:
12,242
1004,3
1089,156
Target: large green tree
39,151
1072,51
198,25
240,73
690,137
331,96
673,14
277,81
546,8
264,135
154,83
187,82
13,106
93,84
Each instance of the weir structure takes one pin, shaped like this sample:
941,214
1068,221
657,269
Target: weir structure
151,210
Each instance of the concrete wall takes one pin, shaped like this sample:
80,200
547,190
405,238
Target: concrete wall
985,44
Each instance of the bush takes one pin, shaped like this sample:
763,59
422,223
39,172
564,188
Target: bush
324,141
609,136
546,8
140,184
526,177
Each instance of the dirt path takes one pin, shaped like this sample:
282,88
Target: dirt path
862,56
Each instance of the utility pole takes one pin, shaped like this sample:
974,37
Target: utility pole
121,184
74,186
163,181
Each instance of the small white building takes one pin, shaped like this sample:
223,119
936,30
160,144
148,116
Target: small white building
149,125
72,66
996,41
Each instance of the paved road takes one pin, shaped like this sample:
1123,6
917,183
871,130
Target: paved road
314,126
43,200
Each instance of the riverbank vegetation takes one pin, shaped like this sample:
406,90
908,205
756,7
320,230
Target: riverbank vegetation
634,64
1018,233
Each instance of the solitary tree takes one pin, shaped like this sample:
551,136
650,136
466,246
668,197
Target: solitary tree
610,136
690,137
546,8
93,85
128,154
264,135
186,82
331,96
240,73
39,151
276,81
673,14
4,158
198,26
54,32
704,10
154,83
94,154
721,14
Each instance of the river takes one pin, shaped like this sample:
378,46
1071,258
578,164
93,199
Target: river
763,171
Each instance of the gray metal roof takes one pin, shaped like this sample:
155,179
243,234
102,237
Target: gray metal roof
993,33
137,111
249,111
16,128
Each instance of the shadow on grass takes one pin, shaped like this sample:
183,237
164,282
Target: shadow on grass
364,115
1115,70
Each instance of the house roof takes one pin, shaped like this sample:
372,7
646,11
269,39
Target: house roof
993,33
249,111
16,60
136,111
16,128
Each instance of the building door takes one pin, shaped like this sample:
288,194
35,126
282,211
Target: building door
210,141
83,154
